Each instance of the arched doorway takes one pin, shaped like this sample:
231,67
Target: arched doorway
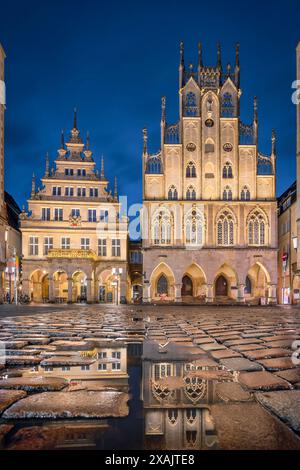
39,286
187,286
60,284
221,287
162,283
260,279
79,287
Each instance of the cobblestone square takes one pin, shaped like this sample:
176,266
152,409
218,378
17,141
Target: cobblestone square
62,365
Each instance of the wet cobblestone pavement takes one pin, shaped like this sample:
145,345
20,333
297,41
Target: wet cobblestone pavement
168,377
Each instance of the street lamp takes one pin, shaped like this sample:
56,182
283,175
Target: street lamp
117,272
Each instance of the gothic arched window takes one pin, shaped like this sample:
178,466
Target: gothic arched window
227,170
162,228
227,194
227,107
194,228
191,170
256,229
191,194
190,104
162,285
172,193
153,165
245,194
225,229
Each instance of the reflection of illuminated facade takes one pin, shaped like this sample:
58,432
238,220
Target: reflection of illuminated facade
104,361
79,435
176,403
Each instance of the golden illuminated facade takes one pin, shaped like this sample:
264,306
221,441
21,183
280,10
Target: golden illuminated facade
288,281
73,237
209,212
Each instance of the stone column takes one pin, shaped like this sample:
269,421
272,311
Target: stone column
241,293
70,289
209,293
89,297
272,294
146,293
51,289
177,292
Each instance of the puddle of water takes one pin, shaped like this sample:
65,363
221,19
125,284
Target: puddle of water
175,399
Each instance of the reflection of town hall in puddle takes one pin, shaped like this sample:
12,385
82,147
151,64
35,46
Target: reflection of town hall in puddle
177,402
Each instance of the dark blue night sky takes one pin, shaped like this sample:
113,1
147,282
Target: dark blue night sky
114,60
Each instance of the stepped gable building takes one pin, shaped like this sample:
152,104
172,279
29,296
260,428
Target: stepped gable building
210,221
73,235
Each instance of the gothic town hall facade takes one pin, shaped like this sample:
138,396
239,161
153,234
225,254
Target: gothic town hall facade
209,212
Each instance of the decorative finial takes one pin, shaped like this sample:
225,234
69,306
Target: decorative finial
219,64
145,138
33,187
88,140
102,168
116,189
75,119
228,70
237,54
255,109
62,140
163,108
200,63
47,164
182,54
273,142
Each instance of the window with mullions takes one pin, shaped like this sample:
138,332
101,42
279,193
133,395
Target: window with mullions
227,194
225,229
257,229
92,215
33,246
153,165
227,107
81,192
116,247
162,228
102,249
48,245
190,108
191,194
46,213
172,193
85,243
245,194
227,170
65,243
191,170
